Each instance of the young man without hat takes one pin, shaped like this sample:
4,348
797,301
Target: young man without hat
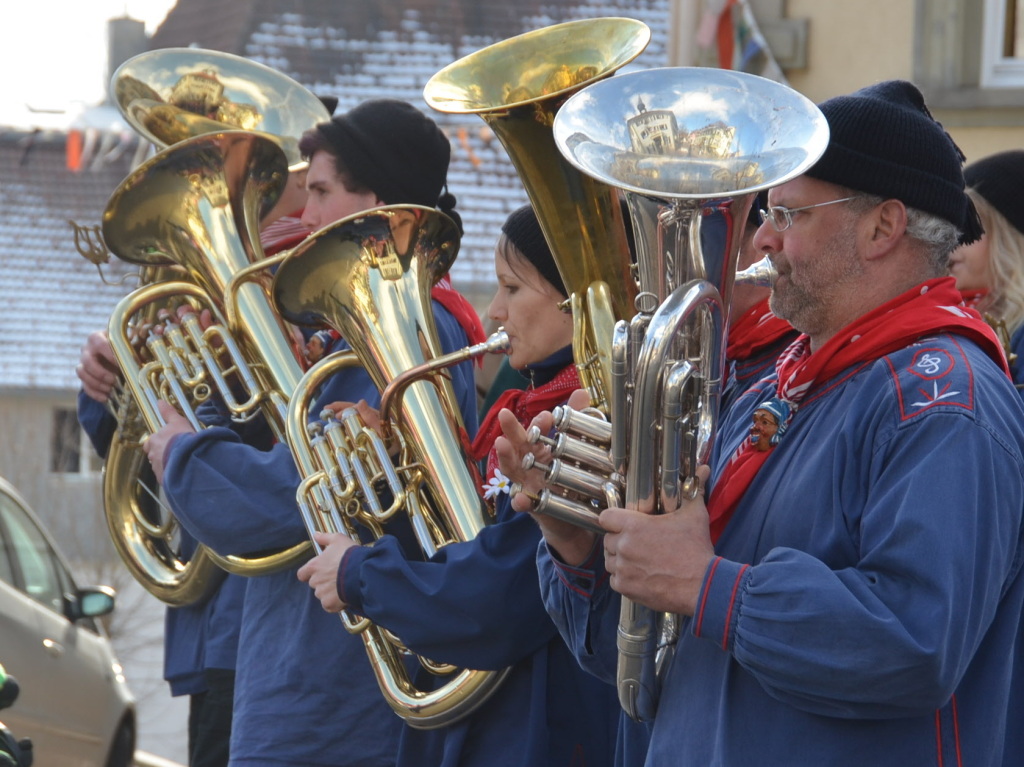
853,595
305,692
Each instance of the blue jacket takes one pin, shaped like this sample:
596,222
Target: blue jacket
304,690
198,636
865,606
477,605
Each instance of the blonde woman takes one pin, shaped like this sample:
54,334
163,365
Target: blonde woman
990,272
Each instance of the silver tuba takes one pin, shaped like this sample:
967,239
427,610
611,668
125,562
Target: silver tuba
689,148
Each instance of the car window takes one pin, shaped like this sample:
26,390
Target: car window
30,556
6,568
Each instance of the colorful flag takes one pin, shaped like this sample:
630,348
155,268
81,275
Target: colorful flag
728,38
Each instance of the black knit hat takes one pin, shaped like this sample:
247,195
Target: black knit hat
393,149
524,232
330,102
999,178
885,142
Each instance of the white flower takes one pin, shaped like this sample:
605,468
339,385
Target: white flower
499,483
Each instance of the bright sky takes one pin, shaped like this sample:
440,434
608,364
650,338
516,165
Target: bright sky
54,55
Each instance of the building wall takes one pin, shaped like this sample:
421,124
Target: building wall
69,504
850,45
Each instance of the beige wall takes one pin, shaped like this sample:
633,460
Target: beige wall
853,44
70,505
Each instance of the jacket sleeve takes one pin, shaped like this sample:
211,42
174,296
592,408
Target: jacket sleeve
474,604
937,546
584,609
97,422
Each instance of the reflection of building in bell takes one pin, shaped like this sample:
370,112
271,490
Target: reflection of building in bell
198,92
653,132
213,187
715,140
202,93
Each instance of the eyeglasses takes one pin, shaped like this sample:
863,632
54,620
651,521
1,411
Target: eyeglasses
781,218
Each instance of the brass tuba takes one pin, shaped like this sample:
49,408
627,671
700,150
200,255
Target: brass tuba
690,147
171,96
369,277
517,86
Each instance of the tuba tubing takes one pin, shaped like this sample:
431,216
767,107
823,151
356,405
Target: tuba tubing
369,277
196,205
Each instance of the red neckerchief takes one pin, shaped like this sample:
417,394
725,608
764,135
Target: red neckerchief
756,329
927,309
461,309
973,297
284,233
524,404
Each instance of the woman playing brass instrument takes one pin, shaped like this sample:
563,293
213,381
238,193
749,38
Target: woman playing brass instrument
990,272
477,604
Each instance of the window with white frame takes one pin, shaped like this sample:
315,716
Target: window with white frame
969,58
1002,49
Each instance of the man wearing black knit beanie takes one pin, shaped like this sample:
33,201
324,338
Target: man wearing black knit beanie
853,594
381,152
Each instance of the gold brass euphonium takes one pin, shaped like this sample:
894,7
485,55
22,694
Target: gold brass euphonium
517,86
369,277
196,205
170,96
689,147
173,94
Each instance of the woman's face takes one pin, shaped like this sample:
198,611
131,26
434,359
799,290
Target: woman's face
526,305
971,266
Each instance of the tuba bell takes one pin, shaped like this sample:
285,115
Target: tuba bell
689,148
173,94
369,277
170,96
517,87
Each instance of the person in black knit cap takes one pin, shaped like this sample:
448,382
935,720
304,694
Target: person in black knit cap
990,272
382,152
852,594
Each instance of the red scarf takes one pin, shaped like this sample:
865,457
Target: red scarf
927,309
524,404
973,297
461,309
756,329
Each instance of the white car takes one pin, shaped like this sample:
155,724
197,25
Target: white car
74,705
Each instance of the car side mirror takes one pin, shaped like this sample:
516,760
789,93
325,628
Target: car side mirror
91,602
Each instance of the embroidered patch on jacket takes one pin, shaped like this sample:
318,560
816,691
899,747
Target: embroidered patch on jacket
935,376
